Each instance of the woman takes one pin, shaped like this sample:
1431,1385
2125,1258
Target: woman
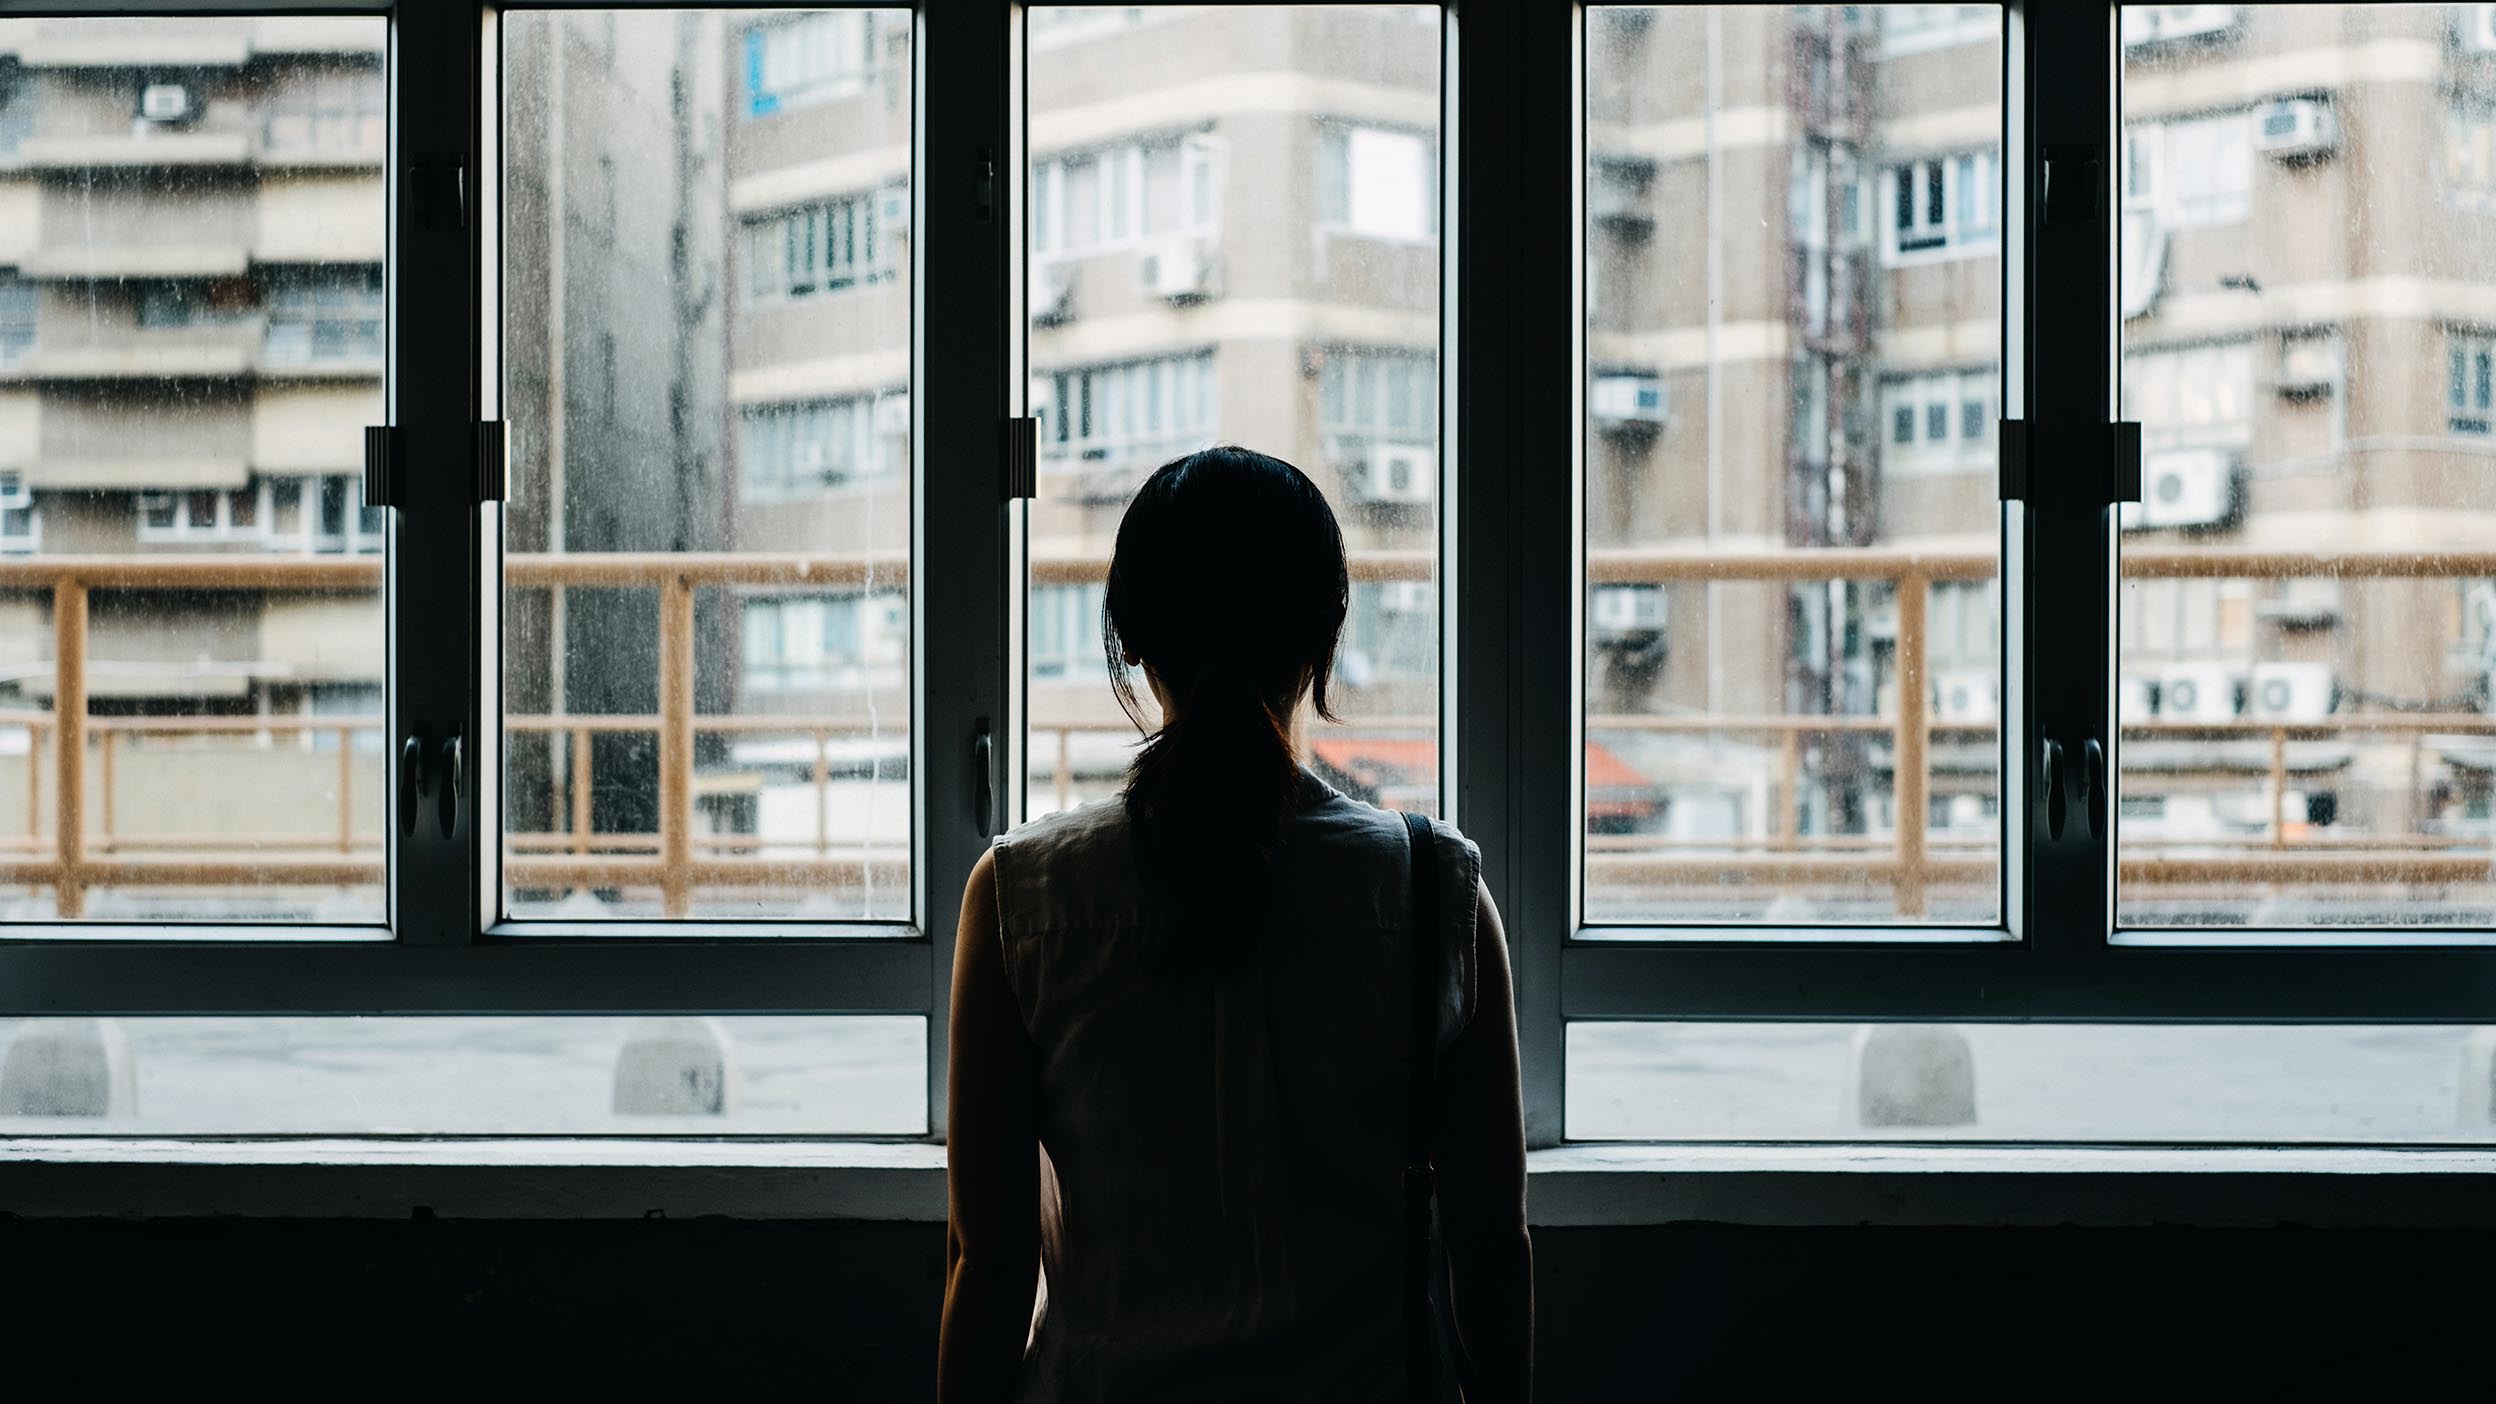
1180,1021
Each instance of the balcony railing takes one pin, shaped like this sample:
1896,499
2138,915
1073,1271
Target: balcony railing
77,852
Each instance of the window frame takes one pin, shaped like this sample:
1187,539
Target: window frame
1514,90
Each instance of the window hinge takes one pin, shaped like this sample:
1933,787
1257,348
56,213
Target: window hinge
1022,457
2127,460
381,479
493,462
2013,456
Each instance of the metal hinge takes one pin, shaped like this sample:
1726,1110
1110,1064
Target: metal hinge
2127,461
381,478
1022,457
2012,458
493,462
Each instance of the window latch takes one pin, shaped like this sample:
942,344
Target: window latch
1022,457
2012,455
2126,465
493,462
381,478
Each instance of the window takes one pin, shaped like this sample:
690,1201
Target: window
1066,632
1110,424
825,248
1941,206
823,643
17,317
2469,383
325,315
1916,29
798,450
232,514
21,522
1939,423
2191,395
2470,155
2191,172
809,59
1111,197
1377,183
335,113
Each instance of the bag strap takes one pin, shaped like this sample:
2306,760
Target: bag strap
1420,1184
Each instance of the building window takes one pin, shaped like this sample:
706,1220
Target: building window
332,112
17,106
325,314
2191,172
17,317
2470,383
1110,197
1127,413
2470,156
811,59
21,522
793,450
1377,183
204,515
1941,207
840,243
817,643
1369,393
1916,29
1066,632
1938,423
1391,634
185,302
2191,395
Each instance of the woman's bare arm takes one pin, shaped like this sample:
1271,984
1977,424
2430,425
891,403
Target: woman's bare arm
992,1243
1480,1155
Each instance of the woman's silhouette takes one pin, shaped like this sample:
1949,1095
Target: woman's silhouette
1180,1020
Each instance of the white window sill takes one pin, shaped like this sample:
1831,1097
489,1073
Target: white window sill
1575,1186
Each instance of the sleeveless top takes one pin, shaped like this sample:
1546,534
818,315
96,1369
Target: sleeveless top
1224,1218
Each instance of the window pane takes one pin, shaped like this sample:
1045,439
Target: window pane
707,744
2308,627
1790,469
1318,345
501,1076
2029,1082
172,190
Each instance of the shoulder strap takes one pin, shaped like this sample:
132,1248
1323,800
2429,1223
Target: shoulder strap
1420,1344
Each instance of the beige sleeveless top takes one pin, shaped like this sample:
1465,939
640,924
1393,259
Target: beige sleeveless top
1224,1222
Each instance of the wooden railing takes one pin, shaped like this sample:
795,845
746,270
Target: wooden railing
85,851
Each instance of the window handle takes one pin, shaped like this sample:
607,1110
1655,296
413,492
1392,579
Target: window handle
446,786
411,783
2094,753
2051,763
984,783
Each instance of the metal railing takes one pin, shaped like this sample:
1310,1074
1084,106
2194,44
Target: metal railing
82,852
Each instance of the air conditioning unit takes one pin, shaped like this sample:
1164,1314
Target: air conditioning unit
2292,692
892,415
165,102
2166,24
2308,602
1398,473
2296,129
1626,401
2474,28
1967,695
1617,611
1405,597
2197,692
2136,700
2309,365
1052,293
1176,267
2186,488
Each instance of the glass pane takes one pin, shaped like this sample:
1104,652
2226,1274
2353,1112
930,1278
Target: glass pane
2308,601
1793,280
2029,1082
1235,309
706,355
160,398
502,1076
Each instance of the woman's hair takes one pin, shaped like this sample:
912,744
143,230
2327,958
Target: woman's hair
1229,583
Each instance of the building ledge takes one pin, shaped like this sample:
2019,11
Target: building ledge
196,360
1572,1187
134,152
79,261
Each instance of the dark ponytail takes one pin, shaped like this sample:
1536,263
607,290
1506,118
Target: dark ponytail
1229,583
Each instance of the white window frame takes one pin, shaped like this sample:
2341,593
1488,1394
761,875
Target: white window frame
2469,383
1339,144
1121,193
1139,412
805,60
219,529
866,457
1970,224
1950,393
21,518
2220,195
1922,29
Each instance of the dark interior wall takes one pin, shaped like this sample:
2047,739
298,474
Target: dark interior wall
732,1310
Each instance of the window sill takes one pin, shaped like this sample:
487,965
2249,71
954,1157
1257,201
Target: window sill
1572,1187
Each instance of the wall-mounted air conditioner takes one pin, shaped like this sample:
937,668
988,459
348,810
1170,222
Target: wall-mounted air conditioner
1620,611
2296,129
2474,28
2136,700
165,102
2197,692
2167,24
1405,597
2309,365
1397,473
1967,695
1051,293
1626,401
2290,692
1177,267
2186,488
